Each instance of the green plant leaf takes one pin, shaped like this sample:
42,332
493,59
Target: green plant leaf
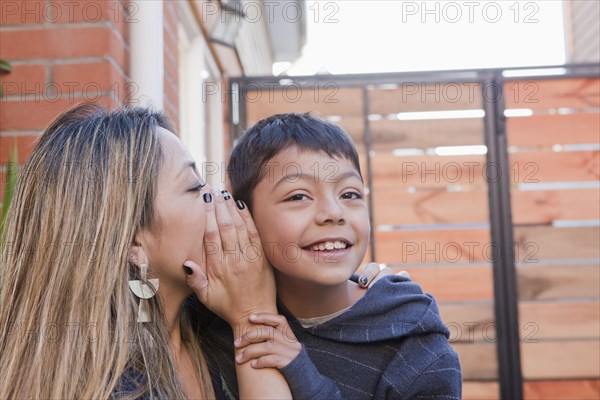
5,66
11,181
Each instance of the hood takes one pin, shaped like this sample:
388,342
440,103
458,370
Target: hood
393,307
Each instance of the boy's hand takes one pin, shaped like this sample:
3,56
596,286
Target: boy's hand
270,343
373,272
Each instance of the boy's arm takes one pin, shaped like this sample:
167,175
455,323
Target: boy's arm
306,382
272,344
441,379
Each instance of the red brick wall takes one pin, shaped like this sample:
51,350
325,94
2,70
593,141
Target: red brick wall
63,52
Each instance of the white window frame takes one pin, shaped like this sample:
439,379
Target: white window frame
201,124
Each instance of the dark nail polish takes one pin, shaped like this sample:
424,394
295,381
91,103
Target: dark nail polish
188,270
223,191
240,204
363,280
207,197
226,196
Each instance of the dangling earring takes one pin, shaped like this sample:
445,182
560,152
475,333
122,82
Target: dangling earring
141,289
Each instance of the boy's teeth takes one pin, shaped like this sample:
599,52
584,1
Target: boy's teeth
329,246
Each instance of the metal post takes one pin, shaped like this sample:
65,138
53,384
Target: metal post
369,168
505,283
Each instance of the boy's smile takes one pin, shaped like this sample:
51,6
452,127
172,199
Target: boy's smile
312,218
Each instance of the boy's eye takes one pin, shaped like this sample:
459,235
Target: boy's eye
351,196
297,197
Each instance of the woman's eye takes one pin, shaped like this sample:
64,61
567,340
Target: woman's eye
197,188
297,197
351,195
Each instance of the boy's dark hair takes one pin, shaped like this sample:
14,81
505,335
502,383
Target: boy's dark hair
269,136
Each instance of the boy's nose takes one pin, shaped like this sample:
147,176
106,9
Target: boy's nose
330,212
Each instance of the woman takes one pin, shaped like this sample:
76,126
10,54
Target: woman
109,206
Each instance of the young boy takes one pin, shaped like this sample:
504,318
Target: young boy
300,177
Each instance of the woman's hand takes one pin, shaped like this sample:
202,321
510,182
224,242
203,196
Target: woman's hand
234,281
234,278
268,344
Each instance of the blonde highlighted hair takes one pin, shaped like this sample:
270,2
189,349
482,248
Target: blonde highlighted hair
67,316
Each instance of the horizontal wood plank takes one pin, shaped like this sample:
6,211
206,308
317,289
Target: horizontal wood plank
324,100
398,207
547,130
478,390
453,283
418,96
448,282
561,359
477,360
580,389
579,93
533,245
545,206
433,246
391,172
549,166
393,134
538,321
545,282
576,359
537,243
559,320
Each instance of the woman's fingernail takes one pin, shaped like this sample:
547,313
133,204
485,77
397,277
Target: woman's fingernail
238,358
207,197
363,280
226,195
240,204
237,342
188,270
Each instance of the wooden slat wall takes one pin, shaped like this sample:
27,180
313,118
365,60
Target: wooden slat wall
431,216
559,293
420,216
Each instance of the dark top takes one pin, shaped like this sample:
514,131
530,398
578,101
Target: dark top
132,381
391,344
